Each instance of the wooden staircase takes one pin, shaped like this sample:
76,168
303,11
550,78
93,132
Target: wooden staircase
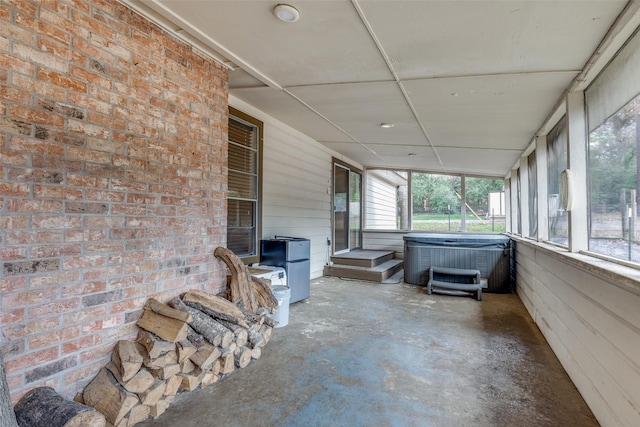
375,266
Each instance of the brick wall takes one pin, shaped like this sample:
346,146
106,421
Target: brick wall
112,182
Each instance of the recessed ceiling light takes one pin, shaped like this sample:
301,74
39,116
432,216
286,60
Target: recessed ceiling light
286,13
412,154
386,125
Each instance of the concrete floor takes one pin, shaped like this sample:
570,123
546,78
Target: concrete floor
367,354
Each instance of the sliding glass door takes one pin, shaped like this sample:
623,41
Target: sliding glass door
347,208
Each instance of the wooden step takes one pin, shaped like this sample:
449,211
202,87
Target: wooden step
378,273
363,258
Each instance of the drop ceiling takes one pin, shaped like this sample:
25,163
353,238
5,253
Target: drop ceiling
467,84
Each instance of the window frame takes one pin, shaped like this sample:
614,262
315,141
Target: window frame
259,125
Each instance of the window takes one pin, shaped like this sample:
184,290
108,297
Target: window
533,195
557,162
244,185
486,210
613,174
436,201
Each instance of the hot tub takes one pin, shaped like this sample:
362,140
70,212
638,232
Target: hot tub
488,253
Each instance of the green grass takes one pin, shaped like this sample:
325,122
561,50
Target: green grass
436,217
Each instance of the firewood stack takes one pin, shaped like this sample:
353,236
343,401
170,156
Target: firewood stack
188,343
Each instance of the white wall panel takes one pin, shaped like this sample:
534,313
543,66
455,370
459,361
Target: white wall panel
296,192
590,318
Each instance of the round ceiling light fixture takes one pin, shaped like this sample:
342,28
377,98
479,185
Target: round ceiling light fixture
286,13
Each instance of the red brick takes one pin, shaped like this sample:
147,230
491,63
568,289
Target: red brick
54,47
49,251
54,279
56,192
36,86
53,222
84,235
33,206
129,209
14,95
62,80
106,196
13,252
53,338
81,343
34,145
51,308
31,359
14,189
82,316
90,130
126,257
100,246
83,262
21,299
106,146
100,273
31,328
12,317
101,324
86,372
30,237
125,282
84,288
85,181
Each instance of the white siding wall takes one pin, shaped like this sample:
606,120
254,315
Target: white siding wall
296,199
380,205
384,241
591,319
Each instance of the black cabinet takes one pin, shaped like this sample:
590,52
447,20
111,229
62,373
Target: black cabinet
293,254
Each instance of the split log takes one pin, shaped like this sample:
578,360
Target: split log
266,332
191,381
230,349
213,331
151,396
166,372
173,384
185,349
198,340
264,294
242,357
7,416
140,382
43,407
187,366
255,338
154,346
168,358
106,395
163,309
205,357
242,336
227,363
167,328
256,353
214,306
138,414
160,407
240,286
128,359
208,379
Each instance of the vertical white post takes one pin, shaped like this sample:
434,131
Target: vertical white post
507,203
514,201
543,189
577,153
524,196
463,203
